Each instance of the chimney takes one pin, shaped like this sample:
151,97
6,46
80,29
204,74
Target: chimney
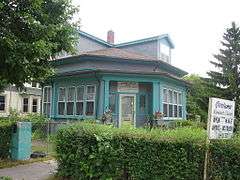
110,37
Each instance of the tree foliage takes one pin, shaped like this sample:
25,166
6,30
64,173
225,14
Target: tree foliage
31,33
198,95
227,76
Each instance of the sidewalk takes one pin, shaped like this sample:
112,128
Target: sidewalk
34,171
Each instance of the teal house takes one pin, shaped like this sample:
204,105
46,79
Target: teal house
132,79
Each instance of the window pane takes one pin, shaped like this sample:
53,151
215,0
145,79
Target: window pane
170,96
175,111
61,108
25,104
2,103
89,108
80,93
112,102
179,98
71,94
34,105
79,108
175,96
164,95
90,92
34,84
165,110
170,110
90,96
90,89
49,94
180,111
70,108
45,94
61,95
142,103
48,108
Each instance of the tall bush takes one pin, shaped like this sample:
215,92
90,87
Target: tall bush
6,129
91,151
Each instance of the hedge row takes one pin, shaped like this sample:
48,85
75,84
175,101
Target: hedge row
91,151
5,139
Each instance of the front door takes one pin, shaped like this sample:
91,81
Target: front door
127,110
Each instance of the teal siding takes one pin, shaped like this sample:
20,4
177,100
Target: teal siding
151,86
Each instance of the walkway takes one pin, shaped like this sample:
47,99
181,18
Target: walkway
34,171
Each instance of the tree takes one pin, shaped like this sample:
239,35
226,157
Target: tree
31,33
227,78
198,94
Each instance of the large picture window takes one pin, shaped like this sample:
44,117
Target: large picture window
47,95
78,100
172,103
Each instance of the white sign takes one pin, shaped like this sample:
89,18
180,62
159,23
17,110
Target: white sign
220,118
131,87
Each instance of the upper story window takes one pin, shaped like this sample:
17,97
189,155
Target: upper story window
164,53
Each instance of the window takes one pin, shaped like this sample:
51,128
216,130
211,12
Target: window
2,103
164,53
34,105
112,102
90,100
61,101
70,100
76,100
80,100
34,84
25,105
47,95
172,103
142,103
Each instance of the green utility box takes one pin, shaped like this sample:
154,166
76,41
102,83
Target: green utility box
21,141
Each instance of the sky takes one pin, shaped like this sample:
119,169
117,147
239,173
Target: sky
195,26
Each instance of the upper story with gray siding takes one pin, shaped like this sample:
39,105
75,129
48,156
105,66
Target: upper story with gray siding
157,47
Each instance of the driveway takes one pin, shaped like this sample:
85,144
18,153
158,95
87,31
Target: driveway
33,171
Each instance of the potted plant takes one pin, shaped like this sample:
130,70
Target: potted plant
107,117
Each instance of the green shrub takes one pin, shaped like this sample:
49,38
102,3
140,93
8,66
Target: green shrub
187,123
6,128
224,159
92,151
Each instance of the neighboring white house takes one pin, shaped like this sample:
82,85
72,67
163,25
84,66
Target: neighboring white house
23,102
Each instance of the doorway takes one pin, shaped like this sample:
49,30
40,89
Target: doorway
127,109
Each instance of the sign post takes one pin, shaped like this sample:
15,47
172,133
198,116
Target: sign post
220,123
